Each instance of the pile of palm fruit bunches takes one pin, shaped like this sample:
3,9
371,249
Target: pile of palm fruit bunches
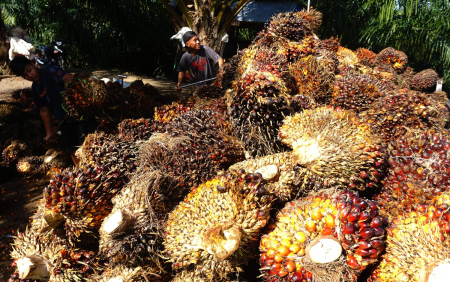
306,161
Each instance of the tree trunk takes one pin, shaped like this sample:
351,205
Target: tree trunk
4,47
207,28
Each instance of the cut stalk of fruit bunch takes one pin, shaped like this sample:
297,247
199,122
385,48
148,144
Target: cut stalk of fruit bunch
325,237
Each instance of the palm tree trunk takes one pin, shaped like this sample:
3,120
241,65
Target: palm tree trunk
4,47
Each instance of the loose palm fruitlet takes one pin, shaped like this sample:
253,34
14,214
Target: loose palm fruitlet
357,92
131,234
425,80
419,167
314,77
325,237
215,230
15,151
367,57
257,108
418,246
394,58
139,129
333,150
39,259
10,113
84,98
194,148
394,115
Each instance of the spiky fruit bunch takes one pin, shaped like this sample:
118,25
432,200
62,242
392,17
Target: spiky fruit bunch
333,149
330,44
216,228
14,151
390,116
367,57
139,129
394,58
39,259
292,51
257,108
131,234
325,237
418,247
314,77
357,92
168,112
10,113
139,99
30,165
292,26
194,148
425,80
208,91
83,98
404,80
418,171
121,273
347,59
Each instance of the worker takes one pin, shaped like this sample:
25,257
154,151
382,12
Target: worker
200,59
48,83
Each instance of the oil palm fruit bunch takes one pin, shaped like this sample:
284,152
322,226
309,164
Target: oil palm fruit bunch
214,231
229,73
418,171
30,166
295,25
417,247
257,108
139,99
121,273
333,149
23,97
14,151
394,58
208,91
405,79
194,148
291,51
390,116
314,77
139,129
330,44
55,160
356,92
132,234
425,80
168,112
84,98
38,259
367,57
323,237
10,113
347,60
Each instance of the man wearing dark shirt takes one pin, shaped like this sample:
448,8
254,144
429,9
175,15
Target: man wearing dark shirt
48,83
199,59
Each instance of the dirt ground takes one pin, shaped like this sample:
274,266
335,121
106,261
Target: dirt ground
19,197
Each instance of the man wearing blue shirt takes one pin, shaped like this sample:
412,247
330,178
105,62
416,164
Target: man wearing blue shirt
48,83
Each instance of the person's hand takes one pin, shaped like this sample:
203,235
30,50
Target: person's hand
178,88
49,138
220,74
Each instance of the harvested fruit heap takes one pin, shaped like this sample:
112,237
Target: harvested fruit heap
215,230
139,129
314,78
393,59
418,246
194,148
419,167
323,237
84,98
257,109
367,57
393,116
139,99
356,92
329,150
132,234
295,25
208,91
425,80
331,44
10,113
40,260
54,161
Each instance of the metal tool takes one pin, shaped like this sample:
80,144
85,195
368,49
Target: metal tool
195,83
59,126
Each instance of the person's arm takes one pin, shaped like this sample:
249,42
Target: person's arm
220,68
46,117
66,79
180,80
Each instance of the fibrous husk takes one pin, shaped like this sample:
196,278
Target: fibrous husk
393,58
316,239
213,232
394,115
425,81
347,59
122,273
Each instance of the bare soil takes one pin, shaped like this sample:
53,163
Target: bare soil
19,197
